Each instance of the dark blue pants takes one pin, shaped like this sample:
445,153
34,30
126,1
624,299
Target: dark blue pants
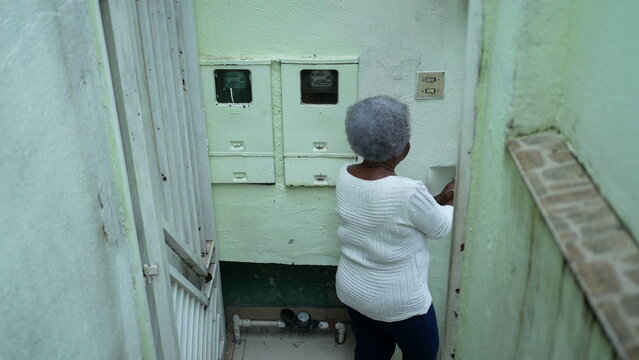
417,337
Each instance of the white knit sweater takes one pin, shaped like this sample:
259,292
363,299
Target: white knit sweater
383,270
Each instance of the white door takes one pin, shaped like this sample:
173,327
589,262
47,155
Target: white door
153,62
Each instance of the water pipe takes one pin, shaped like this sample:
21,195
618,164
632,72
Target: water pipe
323,325
341,331
237,322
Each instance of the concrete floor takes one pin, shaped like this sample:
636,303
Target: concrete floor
266,343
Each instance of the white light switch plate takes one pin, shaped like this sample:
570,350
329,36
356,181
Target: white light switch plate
430,85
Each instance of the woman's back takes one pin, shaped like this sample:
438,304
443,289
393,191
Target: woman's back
383,269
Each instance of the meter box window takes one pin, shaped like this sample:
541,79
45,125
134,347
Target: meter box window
237,108
315,96
233,86
319,86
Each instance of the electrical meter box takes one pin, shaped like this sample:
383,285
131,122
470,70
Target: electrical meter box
315,96
237,106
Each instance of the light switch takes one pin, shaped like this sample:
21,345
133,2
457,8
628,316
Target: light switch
430,85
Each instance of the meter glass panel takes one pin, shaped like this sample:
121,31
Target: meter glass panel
233,86
319,86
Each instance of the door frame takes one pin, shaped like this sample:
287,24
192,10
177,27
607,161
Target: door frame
474,43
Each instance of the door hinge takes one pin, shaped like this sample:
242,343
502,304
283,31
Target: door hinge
150,271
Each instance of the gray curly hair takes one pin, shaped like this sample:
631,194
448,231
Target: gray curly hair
378,128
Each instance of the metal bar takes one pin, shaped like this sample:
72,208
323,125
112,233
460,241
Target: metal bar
208,333
192,73
186,285
194,263
212,269
209,248
184,338
195,326
168,106
215,308
220,348
184,325
320,155
471,76
240,154
174,291
179,302
159,109
189,346
220,326
208,286
179,168
193,191
197,352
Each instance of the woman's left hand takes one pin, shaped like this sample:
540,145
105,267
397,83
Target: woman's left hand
447,196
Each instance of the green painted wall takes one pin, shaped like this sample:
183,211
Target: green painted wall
69,248
600,110
278,285
574,62
518,300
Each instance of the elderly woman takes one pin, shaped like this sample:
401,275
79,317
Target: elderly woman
382,275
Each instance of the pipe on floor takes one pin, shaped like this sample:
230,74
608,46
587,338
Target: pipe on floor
341,332
238,322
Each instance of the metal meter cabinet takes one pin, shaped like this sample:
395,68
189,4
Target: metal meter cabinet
315,96
237,106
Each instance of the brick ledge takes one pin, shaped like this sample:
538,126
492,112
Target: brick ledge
601,253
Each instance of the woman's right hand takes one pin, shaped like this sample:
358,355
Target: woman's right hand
447,196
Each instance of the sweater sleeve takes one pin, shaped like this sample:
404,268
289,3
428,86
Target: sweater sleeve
433,220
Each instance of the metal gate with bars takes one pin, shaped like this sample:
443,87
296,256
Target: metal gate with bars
153,62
